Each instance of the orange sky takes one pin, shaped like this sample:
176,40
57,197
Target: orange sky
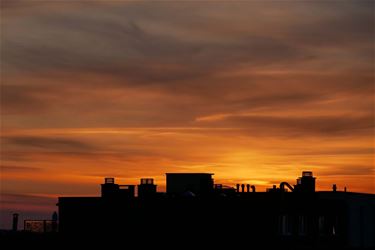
254,92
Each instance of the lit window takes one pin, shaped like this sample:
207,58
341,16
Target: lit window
302,230
285,225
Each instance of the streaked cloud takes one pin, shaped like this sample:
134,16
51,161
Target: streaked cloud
59,144
8,168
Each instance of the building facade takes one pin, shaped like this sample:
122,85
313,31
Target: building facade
289,215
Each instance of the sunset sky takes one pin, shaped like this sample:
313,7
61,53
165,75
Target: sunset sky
254,92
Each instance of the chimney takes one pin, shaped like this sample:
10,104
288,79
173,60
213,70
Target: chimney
15,222
253,188
238,188
242,188
247,188
54,221
334,188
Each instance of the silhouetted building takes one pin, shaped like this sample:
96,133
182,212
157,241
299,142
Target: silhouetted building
195,209
147,188
112,190
195,183
306,183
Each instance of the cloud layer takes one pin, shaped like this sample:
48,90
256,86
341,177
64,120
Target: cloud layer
252,91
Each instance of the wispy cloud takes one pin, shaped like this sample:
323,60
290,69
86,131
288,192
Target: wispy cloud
23,169
58,144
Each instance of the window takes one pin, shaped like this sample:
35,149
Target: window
322,224
147,181
109,180
334,226
285,225
302,225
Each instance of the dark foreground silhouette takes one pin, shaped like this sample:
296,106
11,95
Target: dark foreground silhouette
196,213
